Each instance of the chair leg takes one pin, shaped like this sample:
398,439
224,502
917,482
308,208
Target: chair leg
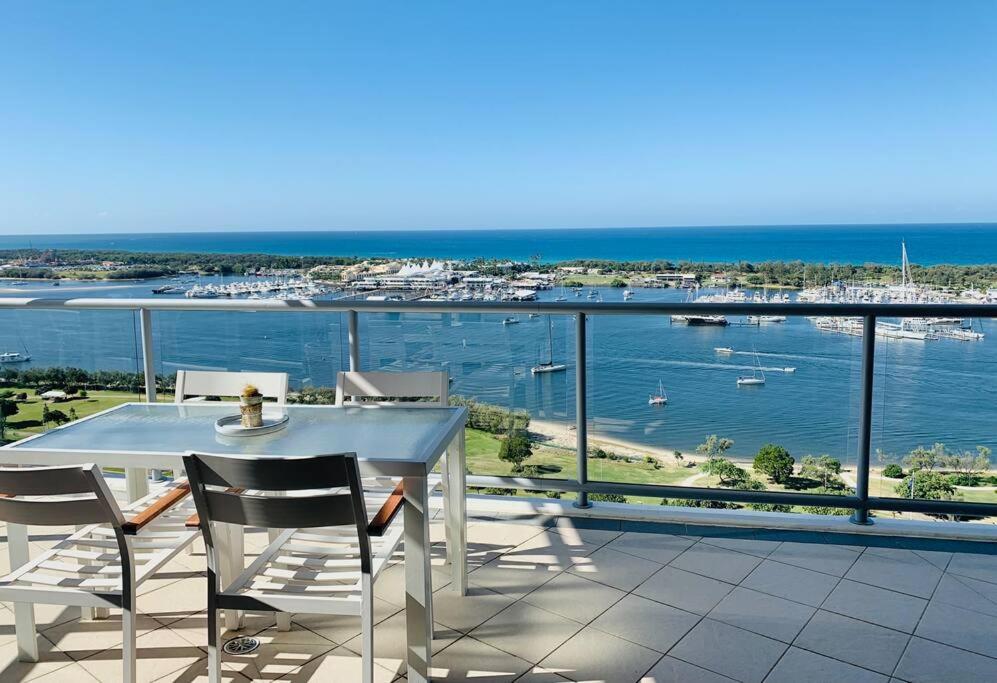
367,629
283,619
129,652
24,612
214,654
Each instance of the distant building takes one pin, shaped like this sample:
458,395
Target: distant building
677,279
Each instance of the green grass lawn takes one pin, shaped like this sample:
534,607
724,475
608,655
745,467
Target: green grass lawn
28,419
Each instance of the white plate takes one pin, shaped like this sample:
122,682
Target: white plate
232,425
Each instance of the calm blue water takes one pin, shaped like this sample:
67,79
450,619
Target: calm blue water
925,391
927,244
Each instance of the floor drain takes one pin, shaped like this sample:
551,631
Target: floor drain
242,645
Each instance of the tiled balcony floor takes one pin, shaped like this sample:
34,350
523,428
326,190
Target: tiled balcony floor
555,603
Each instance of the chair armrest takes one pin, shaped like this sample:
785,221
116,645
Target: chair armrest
382,520
194,521
158,507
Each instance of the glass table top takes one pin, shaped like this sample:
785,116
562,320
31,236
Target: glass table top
413,435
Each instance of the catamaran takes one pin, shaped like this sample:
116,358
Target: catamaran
549,365
658,399
744,380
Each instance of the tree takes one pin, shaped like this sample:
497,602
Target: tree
775,462
714,446
968,462
893,471
608,497
827,509
7,408
57,417
678,458
925,484
922,458
824,469
515,449
618,282
84,393
46,414
729,473
72,415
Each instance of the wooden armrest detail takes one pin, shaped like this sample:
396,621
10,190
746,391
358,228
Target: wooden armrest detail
194,521
161,505
388,511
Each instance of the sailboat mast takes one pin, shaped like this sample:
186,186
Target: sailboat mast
550,341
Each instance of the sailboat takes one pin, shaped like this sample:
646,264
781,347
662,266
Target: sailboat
658,399
744,380
562,297
549,365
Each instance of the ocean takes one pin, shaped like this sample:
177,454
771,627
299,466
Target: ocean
926,243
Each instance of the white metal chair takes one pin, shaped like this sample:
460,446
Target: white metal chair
407,389
326,557
201,383
99,566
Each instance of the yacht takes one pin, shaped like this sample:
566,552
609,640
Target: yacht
726,350
755,379
549,365
717,320
757,319
512,320
658,399
14,357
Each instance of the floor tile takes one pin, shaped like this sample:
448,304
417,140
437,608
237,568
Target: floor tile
731,651
856,642
270,662
539,674
685,590
82,639
764,614
472,660
344,665
820,557
925,661
390,643
526,631
74,672
982,567
661,548
573,597
748,546
799,665
160,653
971,594
464,612
790,582
716,563
876,605
645,622
615,569
959,628
511,577
671,670
899,570
50,661
593,656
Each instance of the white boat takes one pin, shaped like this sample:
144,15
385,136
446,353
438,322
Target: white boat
754,380
627,295
549,365
758,319
723,349
789,369
14,357
658,399
534,315
511,321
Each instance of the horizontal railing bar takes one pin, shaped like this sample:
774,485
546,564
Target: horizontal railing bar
734,496
552,307
942,507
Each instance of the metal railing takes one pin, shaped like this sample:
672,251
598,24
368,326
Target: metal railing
861,503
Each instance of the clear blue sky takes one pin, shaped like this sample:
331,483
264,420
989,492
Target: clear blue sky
145,117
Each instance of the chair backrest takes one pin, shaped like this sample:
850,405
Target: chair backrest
351,387
261,492
74,494
214,383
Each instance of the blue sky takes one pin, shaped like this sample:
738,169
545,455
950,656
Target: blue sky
151,117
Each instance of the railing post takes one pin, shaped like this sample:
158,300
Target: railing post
861,514
149,366
354,341
581,417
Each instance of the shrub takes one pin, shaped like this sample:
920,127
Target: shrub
515,449
893,471
608,497
925,484
963,479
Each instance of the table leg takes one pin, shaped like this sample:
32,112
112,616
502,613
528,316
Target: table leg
456,514
136,483
418,588
24,612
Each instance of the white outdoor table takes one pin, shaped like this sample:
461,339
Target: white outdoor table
390,441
